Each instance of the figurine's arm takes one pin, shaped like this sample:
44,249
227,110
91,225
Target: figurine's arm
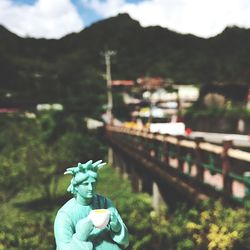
68,238
118,229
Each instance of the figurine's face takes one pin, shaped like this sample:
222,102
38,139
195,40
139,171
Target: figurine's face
87,188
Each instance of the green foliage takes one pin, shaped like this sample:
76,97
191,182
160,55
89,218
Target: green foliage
215,119
35,153
26,231
31,170
196,112
218,227
18,132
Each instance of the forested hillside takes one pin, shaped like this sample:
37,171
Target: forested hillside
64,70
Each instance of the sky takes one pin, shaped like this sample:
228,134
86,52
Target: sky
57,18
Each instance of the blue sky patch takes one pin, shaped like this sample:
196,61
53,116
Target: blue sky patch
30,2
87,15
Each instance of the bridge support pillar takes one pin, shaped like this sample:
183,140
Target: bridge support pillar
180,166
120,166
135,181
199,159
157,199
146,184
110,156
124,170
226,167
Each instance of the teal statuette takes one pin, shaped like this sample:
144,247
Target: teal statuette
88,220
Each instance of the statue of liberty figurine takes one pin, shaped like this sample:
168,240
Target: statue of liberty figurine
76,227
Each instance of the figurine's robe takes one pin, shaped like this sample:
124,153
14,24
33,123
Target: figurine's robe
67,218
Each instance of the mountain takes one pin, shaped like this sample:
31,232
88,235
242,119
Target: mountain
44,70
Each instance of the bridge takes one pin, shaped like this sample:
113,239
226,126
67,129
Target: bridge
173,167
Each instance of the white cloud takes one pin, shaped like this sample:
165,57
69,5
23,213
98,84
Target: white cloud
204,18
46,18
105,8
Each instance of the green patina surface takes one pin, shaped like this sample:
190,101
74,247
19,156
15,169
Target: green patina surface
73,227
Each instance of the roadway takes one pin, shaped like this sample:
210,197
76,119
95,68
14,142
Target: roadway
178,128
238,139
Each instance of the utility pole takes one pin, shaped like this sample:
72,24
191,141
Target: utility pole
107,55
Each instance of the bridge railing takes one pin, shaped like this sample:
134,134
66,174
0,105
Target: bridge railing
225,169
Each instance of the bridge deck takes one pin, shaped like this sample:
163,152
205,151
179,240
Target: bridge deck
198,169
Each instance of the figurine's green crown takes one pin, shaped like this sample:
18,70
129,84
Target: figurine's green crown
84,167
81,172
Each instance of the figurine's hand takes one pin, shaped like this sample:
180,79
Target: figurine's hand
83,228
114,223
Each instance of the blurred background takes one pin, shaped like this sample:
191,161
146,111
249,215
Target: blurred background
73,72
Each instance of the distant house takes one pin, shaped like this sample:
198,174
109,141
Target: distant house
187,95
122,83
8,110
170,103
130,100
49,106
151,82
187,92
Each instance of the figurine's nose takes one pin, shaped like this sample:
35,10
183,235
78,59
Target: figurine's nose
90,187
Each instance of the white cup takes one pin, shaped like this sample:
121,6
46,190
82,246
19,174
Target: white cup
99,217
